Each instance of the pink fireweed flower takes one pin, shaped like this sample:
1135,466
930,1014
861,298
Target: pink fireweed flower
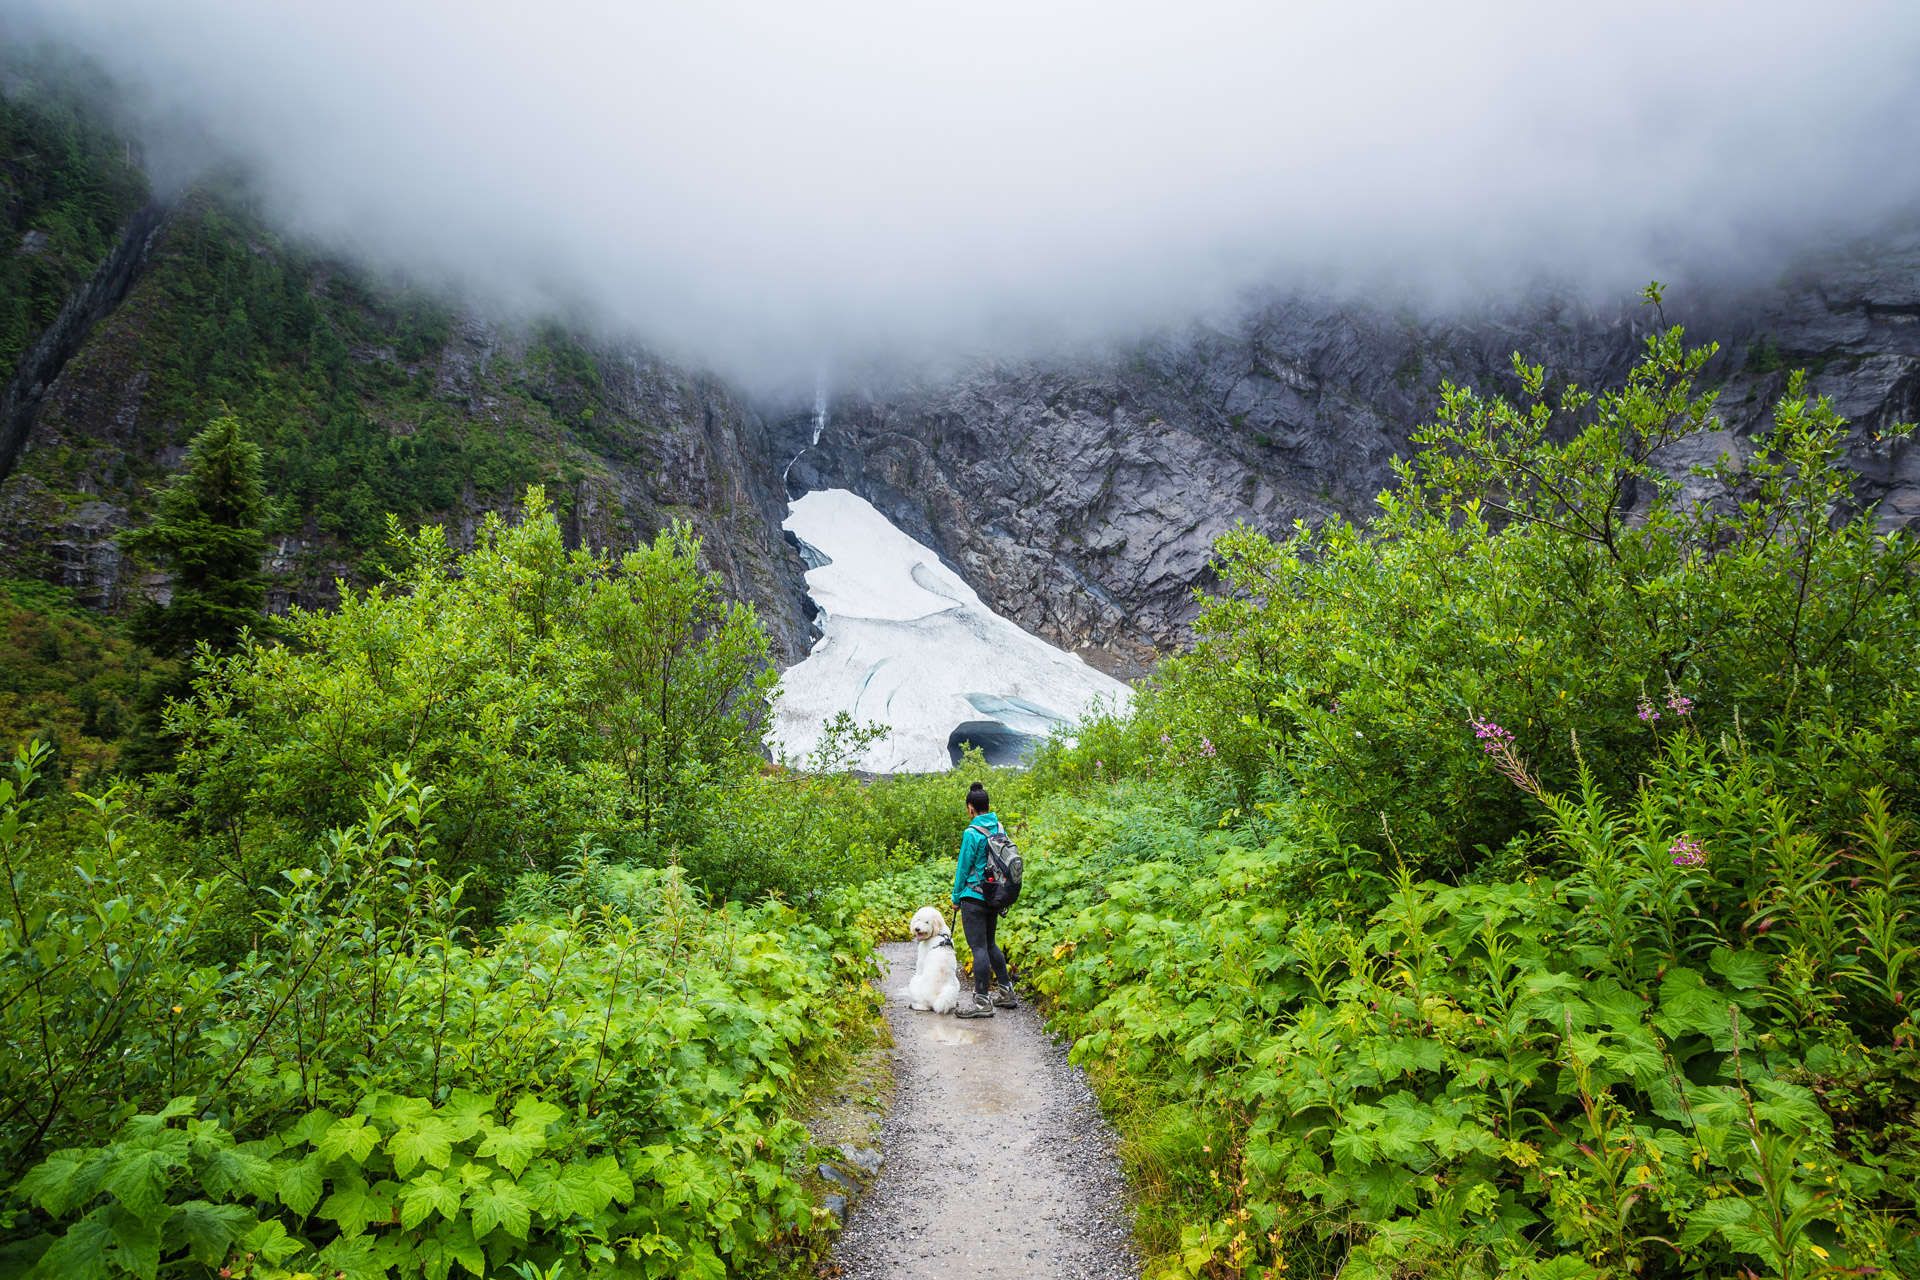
1492,737
1498,743
1647,712
1165,740
1686,852
1206,747
1679,703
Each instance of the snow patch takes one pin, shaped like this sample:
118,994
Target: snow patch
910,645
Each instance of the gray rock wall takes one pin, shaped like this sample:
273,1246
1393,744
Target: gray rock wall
1081,496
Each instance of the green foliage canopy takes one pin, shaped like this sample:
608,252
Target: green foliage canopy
546,693
1539,565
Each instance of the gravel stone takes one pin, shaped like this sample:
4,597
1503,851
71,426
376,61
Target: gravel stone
997,1161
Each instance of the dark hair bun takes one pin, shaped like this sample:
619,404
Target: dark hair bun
975,787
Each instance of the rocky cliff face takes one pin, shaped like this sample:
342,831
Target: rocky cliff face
1081,497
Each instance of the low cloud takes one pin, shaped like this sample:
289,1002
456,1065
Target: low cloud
754,184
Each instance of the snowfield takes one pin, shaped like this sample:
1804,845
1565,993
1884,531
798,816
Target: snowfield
909,645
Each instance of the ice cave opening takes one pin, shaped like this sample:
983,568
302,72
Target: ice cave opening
999,744
907,644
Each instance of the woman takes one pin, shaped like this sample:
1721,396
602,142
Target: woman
976,917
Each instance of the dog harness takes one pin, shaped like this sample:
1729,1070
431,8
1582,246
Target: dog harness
944,940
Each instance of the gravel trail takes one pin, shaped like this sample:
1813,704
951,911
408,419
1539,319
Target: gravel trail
998,1162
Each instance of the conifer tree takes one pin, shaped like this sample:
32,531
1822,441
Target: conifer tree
207,533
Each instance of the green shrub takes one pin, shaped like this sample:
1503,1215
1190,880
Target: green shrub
316,1102
1685,1051
543,693
1537,564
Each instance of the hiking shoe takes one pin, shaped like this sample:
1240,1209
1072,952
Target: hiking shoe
973,1006
1006,997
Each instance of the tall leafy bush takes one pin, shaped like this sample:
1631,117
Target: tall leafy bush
544,693
1540,560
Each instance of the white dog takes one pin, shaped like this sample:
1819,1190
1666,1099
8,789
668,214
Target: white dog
936,975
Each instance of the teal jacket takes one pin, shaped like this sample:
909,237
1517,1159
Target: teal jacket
971,869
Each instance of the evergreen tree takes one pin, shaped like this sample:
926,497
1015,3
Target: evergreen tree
208,534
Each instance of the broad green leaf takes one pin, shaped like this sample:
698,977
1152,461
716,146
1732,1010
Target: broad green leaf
703,1263
311,1127
1636,1054
432,1258
1352,1147
354,1203
1687,1003
531,1110
456,1240
607,1182
50,1184
401,1111
138,1170
136,1242
472,1174
514,1147
1793,1108
465,1114
1714,1215
81,1253
146,1126
430,1191
270,1240
540,1182
501,1205
431,1141
298,1183
354,1257
350,1138
1566,1266
225,1172
210,1228
1744,969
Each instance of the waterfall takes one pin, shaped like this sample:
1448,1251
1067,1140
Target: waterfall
819,418
819,404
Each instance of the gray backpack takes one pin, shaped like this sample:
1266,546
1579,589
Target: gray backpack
1000,886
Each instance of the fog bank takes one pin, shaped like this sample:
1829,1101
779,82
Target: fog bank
754,184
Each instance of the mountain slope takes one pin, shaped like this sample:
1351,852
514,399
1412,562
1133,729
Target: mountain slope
370,396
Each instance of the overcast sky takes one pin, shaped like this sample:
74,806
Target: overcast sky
746,181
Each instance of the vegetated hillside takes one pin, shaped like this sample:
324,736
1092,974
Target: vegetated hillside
373,396
67,188
70,679
1082,496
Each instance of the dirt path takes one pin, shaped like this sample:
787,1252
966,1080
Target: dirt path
998,1162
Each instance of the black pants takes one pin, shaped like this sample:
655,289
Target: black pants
979,920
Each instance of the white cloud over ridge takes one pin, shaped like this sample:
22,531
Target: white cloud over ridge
744,181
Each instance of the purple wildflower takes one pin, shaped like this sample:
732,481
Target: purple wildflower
1333,708
1165,740
1686,852
1647,712
1206,747
1680,703
1498,743
1492,737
